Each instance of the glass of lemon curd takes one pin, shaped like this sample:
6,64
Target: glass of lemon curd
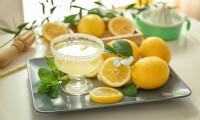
77,55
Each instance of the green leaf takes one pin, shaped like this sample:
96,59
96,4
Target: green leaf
75,6
43,89
45,19
65,81
71,19
130,90
95,11
130,6
98,3
122,48
54,92
21,26
72,1
52,9
8,31
110,14
33,25
109,49
50,63
43,8
45,76
52,2
80,13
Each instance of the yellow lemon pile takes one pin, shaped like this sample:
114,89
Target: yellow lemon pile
94,25
148,71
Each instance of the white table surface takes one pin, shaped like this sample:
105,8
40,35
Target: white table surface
16,101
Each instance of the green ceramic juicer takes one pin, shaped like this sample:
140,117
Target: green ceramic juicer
163,22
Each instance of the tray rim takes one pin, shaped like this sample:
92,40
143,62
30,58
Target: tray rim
102,105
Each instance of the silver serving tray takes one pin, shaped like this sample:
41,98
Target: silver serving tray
174,88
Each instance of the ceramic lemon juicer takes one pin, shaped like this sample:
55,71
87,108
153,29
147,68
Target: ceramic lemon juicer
162,21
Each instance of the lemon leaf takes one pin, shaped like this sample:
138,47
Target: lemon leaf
122,48
109,49
71,19
130,90
99,3
110,15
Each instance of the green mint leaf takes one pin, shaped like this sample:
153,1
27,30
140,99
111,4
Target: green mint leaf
130,90
71,19
52,9
130,6
98,3
50,63
110,14
57,73
43,88
65,81
54,91
109,49
45,76
8,31
122,48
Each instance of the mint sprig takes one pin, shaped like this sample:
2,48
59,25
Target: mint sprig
50,79
130,90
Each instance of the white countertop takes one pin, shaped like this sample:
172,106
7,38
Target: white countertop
16,101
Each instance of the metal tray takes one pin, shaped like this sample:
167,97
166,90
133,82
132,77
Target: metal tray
174,88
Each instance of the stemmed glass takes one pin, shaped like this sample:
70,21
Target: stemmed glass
77,55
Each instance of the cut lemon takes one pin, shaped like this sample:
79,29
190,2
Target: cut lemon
105,95
120,26
96,71
52,30
114,76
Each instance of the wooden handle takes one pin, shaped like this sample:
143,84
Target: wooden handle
20,43
7,56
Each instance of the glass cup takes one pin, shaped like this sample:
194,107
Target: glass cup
77,55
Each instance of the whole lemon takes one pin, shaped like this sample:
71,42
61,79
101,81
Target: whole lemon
136,51
150,73
154,46
91,24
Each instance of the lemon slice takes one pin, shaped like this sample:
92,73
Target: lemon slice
96,71
114,76
52,30
120,26
105,95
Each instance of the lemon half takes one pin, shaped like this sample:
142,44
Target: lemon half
114,76
52,30
120,26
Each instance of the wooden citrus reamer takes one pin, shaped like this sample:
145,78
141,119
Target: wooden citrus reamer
20,44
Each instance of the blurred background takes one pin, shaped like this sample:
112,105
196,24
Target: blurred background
13,12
